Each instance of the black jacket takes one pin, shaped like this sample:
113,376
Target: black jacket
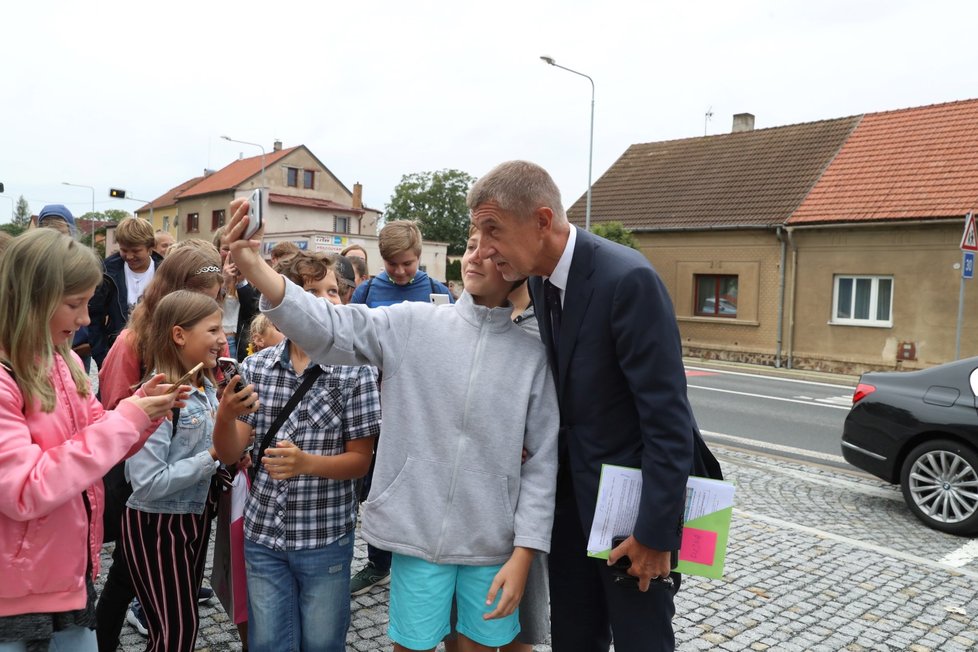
109,308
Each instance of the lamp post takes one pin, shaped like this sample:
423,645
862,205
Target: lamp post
245,142
11,203
118,193
78,185
590,153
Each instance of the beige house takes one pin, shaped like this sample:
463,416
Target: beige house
826,245
307,205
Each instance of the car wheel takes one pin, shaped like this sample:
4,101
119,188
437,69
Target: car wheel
939,481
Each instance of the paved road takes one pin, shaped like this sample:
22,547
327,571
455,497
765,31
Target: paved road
786,411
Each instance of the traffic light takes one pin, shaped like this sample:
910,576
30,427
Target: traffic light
117,193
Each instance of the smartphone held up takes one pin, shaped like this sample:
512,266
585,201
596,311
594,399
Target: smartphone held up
257,203
229,369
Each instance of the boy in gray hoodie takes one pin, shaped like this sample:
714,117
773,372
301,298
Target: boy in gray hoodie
451,496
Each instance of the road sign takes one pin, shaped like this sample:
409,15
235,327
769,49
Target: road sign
968,265
969,240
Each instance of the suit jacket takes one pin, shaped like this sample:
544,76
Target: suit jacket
621,384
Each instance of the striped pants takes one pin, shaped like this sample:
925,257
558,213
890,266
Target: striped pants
166,555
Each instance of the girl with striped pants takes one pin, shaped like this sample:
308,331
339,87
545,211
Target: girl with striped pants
166,526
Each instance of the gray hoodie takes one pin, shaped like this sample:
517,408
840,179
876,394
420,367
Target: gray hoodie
464,391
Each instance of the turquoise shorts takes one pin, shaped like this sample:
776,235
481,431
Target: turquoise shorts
421,604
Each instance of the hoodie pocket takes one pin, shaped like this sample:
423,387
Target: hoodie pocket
412,509
481,516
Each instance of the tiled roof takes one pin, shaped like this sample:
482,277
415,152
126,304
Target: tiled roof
750,178
311,202
233,175
169,198
912,163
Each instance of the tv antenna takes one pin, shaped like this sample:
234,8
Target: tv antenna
706,119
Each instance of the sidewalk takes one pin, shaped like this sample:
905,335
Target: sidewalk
783,372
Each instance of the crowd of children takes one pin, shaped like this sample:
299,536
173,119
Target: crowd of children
304,417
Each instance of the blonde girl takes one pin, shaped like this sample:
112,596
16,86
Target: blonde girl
166,525
56,442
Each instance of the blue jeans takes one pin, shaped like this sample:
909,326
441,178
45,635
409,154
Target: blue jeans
73,639
299,600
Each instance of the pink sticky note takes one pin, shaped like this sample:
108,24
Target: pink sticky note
698,546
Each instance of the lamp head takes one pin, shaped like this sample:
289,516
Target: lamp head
226,137
549,60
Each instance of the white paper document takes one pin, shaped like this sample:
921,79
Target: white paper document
618,498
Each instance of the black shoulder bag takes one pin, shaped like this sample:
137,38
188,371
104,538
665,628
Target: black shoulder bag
310,378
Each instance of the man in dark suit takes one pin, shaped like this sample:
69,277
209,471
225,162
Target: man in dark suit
615,349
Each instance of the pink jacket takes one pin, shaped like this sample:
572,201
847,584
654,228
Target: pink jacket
46,461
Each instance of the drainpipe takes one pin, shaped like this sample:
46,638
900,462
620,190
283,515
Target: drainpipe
781,274
791,305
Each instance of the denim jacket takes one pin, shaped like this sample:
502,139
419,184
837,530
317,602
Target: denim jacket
172,475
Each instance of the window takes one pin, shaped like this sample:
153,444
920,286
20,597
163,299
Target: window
308,176
217,220
193,223
716,296
863,300
341,224
292,177
166,223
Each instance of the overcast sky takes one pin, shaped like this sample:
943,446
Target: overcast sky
136,95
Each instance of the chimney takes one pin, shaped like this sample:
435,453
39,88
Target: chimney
208,172
277,146
357,195
743,122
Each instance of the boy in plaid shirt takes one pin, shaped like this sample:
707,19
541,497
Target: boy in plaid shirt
301,511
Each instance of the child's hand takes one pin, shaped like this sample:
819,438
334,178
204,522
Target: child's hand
284,461
155,407
156,387
511,578
234,404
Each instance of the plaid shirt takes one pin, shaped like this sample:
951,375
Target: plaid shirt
307,512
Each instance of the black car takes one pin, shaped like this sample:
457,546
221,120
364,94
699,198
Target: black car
919,429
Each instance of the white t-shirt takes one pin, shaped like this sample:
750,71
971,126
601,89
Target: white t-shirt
136,283
231,309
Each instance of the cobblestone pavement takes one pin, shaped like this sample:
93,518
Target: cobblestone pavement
820,559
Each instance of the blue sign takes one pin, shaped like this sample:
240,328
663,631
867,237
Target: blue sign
968,266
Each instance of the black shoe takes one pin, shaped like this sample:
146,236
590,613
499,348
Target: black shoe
368,577
204,594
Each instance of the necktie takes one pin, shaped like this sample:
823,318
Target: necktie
551,295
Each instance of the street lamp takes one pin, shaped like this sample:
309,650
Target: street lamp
11,203
590,153
118,193
245,142
78,185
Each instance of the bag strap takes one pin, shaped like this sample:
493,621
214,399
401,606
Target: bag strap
307,381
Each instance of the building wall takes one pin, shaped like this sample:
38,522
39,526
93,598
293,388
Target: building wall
203,205
753,256
920,259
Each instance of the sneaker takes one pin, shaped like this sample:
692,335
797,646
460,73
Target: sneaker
204,594
136,618
368,577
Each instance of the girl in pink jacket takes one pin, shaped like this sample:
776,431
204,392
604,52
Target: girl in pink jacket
56,442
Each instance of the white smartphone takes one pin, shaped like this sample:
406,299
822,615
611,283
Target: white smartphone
438,299
256,212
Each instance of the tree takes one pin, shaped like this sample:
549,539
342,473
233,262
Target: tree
22,214
12,229
110,215
616,232
436,201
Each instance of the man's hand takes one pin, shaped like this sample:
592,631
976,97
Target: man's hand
511,578
647,564
284,461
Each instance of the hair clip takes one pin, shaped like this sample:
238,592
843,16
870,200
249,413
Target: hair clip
209,268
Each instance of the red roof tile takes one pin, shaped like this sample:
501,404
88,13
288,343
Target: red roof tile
233,175
908,164
311,202
169,198
751,178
